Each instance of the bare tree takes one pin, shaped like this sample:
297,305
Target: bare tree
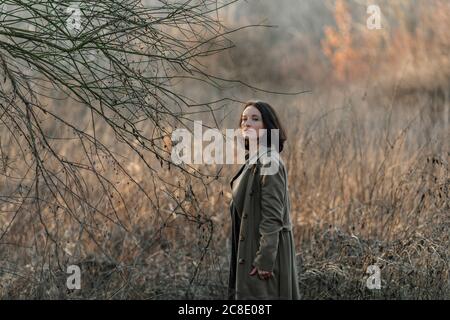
85,87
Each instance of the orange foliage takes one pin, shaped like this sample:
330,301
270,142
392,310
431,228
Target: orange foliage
415,46
337,45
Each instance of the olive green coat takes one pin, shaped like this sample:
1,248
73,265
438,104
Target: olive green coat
265,238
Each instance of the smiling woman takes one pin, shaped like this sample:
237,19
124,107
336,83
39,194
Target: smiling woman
263,254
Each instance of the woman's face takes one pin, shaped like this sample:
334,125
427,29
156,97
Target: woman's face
251,122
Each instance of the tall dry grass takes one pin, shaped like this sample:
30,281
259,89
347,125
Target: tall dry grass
361,194
368,164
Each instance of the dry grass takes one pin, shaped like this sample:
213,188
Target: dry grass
369,184
360,195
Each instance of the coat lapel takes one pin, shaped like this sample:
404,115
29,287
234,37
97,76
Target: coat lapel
240,193
236,175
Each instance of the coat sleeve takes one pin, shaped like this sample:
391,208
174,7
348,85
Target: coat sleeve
272,208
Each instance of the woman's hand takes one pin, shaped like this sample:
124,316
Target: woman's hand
263,275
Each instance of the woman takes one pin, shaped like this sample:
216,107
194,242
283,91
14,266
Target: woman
263,262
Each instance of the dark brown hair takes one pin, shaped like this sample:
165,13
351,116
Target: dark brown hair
270,121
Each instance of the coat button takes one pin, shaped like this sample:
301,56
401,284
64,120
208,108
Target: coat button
242,238
245,216
241,261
